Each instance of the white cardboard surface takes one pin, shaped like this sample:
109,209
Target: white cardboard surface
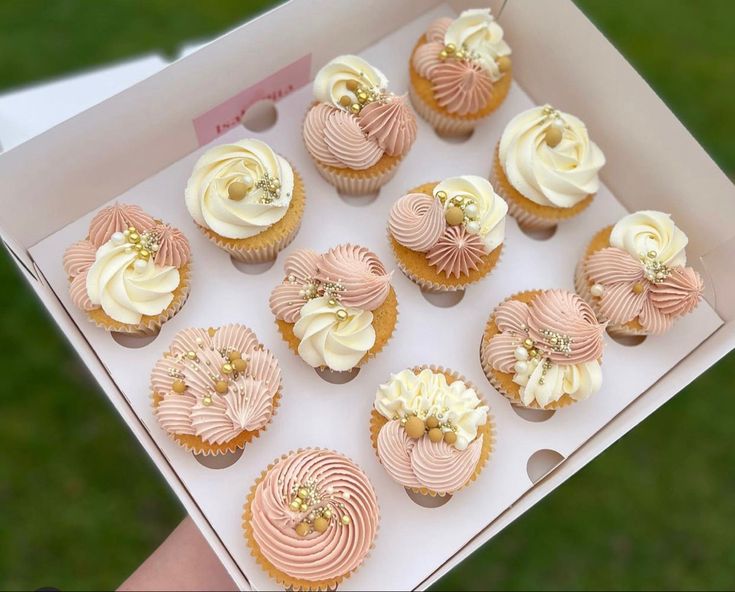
315,413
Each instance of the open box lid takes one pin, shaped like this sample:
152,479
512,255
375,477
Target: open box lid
93,157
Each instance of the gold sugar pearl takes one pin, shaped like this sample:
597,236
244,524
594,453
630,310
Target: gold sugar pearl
179,386
221,386
435,435
345,101
239,365
528,343
346,519
327,513
211,331
432,422
355,108
450,48
352,85
134,236
341,314
441,195
454,216
553,135
191,355
362,96
207,401
295,505
321,524
304,507
443,54
145,253
236,191
234,355
638,288
302,529
415,427
227,368
450,437
504,63
303,493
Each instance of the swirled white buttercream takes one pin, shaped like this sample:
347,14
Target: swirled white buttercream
579,381
248,162
127,287
331,341
491,208
560,176
428,393
477,31
641,233
330,83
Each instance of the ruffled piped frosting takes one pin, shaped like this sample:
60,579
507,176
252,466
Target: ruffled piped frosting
117,218
215,384
314,515
391,124
457,252
461,87
173,246
417,221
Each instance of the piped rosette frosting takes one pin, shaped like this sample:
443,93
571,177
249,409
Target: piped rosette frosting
640,281
460,223
215,389
463,59
431,430
550,343
356,120
326,304
130,266
311,519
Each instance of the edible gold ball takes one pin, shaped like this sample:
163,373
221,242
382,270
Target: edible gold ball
415,427
341,314
227,368
432,422
442,195
503,63
221,386
450,47
179,386
236,191
528,343
355,108
352,85
345,519
303,493
443,54
302,529
191,355
207,401
454,216
295,505
240,365
327,513
553,135
638,288
303,507
234,355
321,524
145,253
450,437
345,101
134,236
435,435
362,96
460,54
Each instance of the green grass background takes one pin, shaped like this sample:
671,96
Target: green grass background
80,503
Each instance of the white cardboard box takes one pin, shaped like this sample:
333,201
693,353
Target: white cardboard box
140,144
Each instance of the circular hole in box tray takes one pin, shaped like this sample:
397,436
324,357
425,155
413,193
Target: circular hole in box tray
541,463
626,340
533,415
252,268
427,501
359,201
443,299
539,234
260,116
132,340
455,138
218,461
333,377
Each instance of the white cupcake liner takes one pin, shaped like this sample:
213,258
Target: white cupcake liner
354,183
259,254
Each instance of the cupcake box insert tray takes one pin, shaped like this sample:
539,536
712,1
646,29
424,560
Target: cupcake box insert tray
140,146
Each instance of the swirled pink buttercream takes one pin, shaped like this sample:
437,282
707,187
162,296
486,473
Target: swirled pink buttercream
437,29
341,486
394,451
288,298
196,358
679,293
173,246
79,294
364,279
457,252
79,257
557,313
117,218
461,86
391,123
417,221
314,124
426,58
348,143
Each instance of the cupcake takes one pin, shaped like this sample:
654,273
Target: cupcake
131,273
449,234
460,71
546,167
543,349
311,519
335,310
357,131
634,275
430,430
246,199
215,390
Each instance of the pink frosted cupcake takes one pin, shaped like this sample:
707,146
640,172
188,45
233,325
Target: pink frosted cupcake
215,390
131,273
357,131
634,275
543,349
335,310
311,519
460,71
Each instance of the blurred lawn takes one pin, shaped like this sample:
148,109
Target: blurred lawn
656,511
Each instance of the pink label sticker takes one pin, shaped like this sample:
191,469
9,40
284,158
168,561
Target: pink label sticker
227,115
